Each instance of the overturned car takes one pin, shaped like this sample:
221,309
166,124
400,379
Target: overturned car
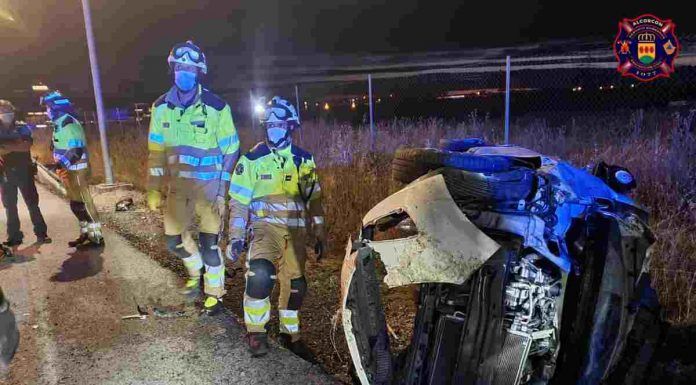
528,271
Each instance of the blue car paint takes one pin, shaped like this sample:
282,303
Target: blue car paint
583,194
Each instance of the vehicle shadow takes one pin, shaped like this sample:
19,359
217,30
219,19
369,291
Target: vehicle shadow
83,263
19,256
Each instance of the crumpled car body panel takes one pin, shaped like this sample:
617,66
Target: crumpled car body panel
447,248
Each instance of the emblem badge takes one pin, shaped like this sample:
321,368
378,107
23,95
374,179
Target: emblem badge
239,170
646,47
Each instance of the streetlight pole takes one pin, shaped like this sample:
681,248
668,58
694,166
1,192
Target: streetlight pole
96,83
507,100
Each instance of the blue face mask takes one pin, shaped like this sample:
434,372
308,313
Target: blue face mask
276,135
185,80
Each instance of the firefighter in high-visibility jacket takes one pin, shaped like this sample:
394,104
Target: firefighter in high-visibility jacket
193,146
72,165
275,194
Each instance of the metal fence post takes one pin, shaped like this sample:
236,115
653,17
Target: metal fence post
372,123
96,83
507,100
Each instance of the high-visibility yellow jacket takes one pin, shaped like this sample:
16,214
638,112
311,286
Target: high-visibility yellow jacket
278,186
192,146
69,143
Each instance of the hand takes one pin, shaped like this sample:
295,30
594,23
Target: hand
63,175
220,205
320,249
154,200
234,249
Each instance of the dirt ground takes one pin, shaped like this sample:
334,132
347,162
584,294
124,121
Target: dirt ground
321,329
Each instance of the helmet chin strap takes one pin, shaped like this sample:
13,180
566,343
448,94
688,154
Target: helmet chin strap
284,142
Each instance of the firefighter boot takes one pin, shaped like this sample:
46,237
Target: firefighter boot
212,305
296,346
192,289
83,236
258,344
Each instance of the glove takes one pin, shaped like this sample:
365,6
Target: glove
154,200
220,205
320,249
234,249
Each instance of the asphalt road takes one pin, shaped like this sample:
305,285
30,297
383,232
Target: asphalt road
69,305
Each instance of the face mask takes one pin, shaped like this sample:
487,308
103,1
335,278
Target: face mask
7,118
185,80
276,135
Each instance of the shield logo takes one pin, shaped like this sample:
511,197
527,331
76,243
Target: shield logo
669,47
646,52
646,47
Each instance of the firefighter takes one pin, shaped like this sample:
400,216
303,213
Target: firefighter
72,166
17,174
193,147
275,194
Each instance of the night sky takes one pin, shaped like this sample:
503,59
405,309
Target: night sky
45,41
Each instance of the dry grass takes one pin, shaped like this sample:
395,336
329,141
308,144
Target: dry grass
659,147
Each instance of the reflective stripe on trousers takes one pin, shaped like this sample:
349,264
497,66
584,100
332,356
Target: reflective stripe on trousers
257,312
289,222
214,278
193,265
289,321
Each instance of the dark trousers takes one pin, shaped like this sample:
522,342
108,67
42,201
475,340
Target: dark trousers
8,190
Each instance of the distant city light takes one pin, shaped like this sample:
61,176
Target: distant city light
379,100
41,126
352,104
326,106
39,88
611,86
601,88
633,86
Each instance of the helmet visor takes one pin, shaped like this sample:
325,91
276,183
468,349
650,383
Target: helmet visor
275,113
193,54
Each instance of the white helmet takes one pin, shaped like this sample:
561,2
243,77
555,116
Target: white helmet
188,53
280,110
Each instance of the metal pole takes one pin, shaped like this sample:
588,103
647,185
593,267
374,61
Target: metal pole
372,123
297,107
507,100
96,83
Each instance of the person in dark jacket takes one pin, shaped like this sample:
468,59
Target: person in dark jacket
17,174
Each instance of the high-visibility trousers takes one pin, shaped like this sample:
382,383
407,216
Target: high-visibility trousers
286,248
181,209
77,189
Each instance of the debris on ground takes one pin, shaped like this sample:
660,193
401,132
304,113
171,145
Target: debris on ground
125,204
163,312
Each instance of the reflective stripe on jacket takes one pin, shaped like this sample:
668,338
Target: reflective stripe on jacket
197,144
69,143
278,186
